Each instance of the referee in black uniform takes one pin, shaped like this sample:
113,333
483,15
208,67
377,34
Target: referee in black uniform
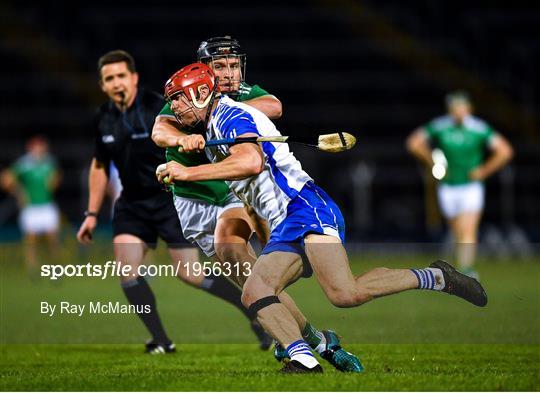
144,211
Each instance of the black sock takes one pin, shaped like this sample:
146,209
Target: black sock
223,288
139,293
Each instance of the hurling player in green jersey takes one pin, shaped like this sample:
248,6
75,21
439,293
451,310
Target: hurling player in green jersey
227,59
463,139
210,215
229,66
32,179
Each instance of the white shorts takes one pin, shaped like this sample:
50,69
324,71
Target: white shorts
465,198
39,219
199,218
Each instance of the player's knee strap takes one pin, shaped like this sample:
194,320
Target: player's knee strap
262,303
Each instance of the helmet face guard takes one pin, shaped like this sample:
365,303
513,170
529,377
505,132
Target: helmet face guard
181,115
231,70
227,59
186,85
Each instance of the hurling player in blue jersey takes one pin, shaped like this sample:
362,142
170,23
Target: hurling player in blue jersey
307,228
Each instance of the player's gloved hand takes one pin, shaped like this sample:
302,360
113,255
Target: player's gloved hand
171,172
191,143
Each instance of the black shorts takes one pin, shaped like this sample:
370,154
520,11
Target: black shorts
149,219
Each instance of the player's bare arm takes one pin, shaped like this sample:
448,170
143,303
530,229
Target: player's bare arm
502,153
97,185
166,132
8,181
55,180
269,105
417,144
245,160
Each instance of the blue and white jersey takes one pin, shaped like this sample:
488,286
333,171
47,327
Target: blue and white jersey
282,178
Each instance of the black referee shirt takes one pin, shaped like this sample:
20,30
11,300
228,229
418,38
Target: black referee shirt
125,139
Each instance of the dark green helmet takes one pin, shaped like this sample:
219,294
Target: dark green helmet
219,46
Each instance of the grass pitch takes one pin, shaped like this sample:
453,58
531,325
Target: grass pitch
417,340
243,367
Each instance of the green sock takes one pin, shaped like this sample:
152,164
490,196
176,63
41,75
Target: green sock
312,336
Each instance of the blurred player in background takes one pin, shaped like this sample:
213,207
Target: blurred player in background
33,179
226,221
461,169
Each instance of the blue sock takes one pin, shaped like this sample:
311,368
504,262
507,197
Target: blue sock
301,352
429,278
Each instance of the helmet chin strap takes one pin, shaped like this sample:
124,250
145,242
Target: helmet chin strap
211,102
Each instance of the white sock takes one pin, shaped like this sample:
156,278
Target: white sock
300,351
430,278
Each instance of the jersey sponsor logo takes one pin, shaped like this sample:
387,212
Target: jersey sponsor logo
107,138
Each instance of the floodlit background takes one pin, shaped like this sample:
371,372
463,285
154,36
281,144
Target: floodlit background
376,69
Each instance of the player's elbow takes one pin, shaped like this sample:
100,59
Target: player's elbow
161,127
253,166
508,152
276,110
155,137
7,181
246,160
411,144
159,138
269,105
504,152
157,134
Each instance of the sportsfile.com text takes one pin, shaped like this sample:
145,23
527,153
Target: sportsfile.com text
119,269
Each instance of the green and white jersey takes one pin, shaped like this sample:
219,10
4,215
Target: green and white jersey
34,176
462,144
211,191
248,92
